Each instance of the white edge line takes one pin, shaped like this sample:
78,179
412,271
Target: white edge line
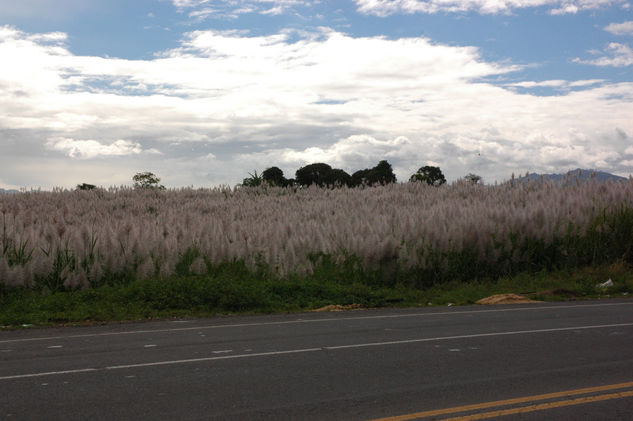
329,319
305,350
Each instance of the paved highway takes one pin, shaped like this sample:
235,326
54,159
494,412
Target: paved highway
532,361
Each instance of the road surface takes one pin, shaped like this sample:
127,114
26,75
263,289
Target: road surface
530,361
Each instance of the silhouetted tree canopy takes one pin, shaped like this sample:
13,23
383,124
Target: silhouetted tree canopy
473,178
322,175
313,174
86,186
382,173
359,177
338,177
147,180
275,177
430,175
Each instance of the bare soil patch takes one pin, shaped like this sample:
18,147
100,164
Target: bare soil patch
506,299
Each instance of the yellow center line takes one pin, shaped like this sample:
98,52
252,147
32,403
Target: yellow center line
506,402
542,406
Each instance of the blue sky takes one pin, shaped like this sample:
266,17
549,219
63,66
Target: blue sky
204,92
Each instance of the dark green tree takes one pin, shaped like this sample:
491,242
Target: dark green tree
473,178
430,175
86,186
313,174
338,178
360,177
147,180
382,173
275,177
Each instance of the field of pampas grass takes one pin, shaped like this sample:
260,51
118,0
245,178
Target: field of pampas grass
407,233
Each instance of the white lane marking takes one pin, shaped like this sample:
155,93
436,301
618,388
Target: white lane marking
55,347
326,348
223,351
49,373
203,359
303,321
479,335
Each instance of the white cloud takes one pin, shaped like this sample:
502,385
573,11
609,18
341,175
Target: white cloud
624,28
567,9
92,148
616,55
225,103
232,9
557,83
390,7
544,83
588,82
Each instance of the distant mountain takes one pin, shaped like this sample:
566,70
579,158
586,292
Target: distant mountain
9,191
578,173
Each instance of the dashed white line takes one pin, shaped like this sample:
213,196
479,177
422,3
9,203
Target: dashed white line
325,348
49,373
223,357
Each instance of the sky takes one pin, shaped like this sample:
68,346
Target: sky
204,92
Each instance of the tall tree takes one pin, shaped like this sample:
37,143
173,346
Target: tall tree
473,178
430,175
338,178
275,177
360,177
382,173
313,174
147,180
86,186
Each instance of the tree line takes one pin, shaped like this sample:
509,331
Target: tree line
320,174
323,175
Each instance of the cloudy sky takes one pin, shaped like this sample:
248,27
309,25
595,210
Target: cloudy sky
202,92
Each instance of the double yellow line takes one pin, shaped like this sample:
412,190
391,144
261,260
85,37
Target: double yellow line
593,393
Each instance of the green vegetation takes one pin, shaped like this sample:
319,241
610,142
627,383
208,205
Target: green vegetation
323,175
232,288
147,180
432,176
86,186
130,254
253,180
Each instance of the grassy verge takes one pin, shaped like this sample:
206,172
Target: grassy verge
235,290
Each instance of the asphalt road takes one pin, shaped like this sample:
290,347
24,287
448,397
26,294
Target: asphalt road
532,361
